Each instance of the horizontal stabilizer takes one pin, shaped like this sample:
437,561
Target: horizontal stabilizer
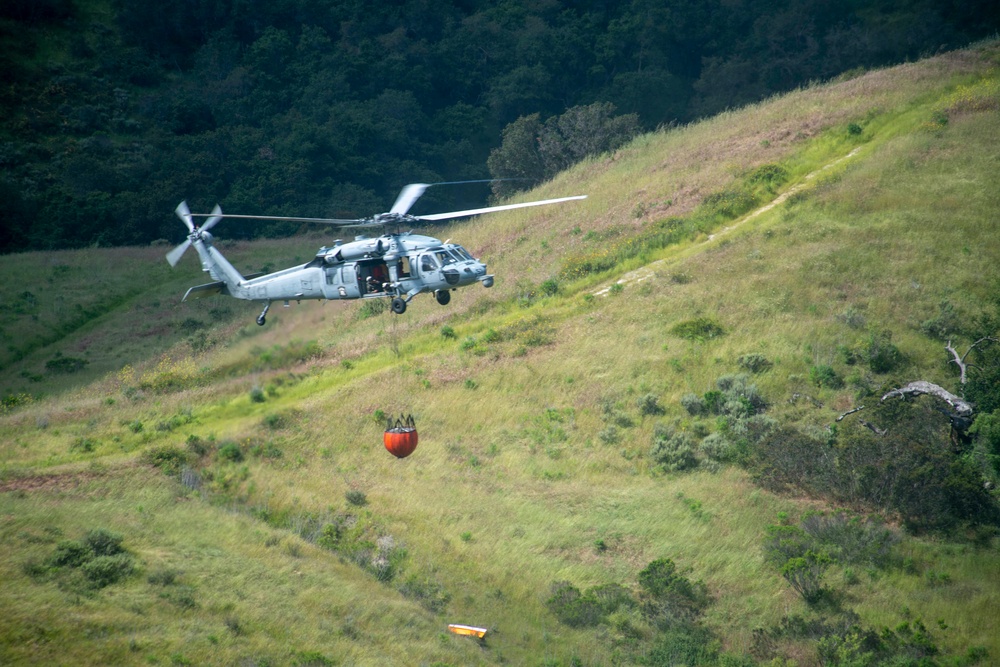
211,289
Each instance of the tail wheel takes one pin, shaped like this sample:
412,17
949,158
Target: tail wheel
443,296
398,305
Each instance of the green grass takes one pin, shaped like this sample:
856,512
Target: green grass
512,485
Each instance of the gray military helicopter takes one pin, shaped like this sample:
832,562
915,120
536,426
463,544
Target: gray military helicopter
397,265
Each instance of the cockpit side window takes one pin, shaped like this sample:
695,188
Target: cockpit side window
444,258
427,263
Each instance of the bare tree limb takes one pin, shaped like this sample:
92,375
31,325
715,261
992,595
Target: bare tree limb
873,428
850,412
961,407
959,361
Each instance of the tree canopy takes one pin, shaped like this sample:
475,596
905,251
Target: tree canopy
328,108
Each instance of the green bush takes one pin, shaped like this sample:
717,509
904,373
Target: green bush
275,421
573,608
372,308
674,452
668,597
103,571
431,595
356,498
168,458
65,365
257,394
104,542
698,329
693,404
851,539
716,447
650,405
825,376
755,363
660,578
70,553
230,451
805,574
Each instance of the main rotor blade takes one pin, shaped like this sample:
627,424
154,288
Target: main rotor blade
174,255
184,213
325,221
407,196
412,192
211,222
490,209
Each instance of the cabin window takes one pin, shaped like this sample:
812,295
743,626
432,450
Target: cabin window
404,267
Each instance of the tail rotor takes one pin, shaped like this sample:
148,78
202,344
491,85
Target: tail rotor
184,213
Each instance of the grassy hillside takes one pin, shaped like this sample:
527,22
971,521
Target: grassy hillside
262,522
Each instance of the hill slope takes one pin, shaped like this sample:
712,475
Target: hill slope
263,523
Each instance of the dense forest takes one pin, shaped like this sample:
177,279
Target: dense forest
114,112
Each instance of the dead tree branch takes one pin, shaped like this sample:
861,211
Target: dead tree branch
961,407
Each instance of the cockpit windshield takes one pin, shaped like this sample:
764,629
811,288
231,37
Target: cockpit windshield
463,253
445,257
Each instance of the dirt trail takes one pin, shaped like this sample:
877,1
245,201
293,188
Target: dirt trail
644,273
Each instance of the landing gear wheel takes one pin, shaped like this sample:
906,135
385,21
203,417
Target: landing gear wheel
443,296
263,315
398,306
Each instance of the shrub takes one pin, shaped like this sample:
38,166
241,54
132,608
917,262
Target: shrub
70,553
825,376
881,354
448,332
104,543
699,329
257,394
716,447
431,595
165,577
755,363
230,451
674,452
805,574
168,458
650,405
609,435
275,421
669,597
851,539
372,308
103,571
65,365
549,287
683,645
196,445
660,578
573,608
356,498
946,324
693,404
852,317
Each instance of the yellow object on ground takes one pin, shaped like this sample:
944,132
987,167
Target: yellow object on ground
467,630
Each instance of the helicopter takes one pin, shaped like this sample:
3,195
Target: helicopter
394,265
